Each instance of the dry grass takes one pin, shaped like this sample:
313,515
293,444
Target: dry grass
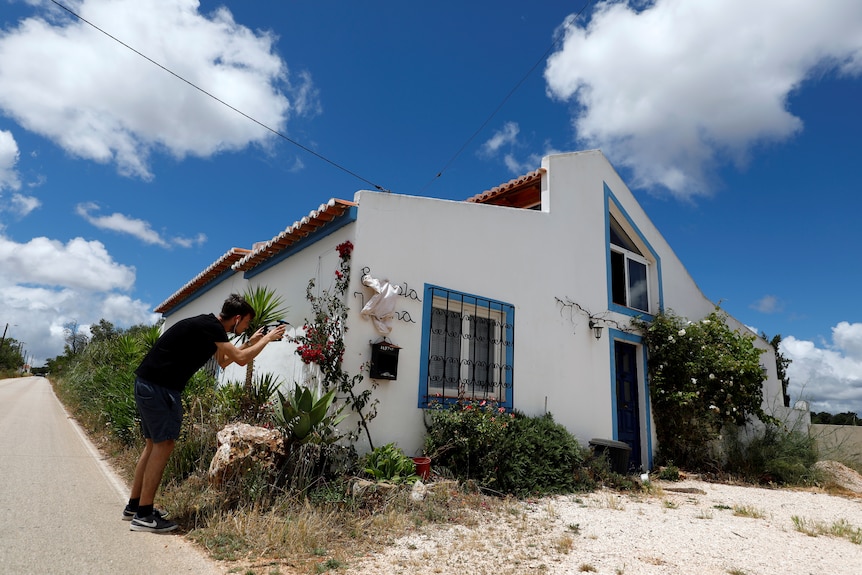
290,534
748,511
841,529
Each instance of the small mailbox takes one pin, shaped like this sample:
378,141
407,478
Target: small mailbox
384,360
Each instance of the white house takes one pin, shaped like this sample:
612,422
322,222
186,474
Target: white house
499,296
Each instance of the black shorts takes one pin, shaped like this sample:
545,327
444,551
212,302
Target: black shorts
161,410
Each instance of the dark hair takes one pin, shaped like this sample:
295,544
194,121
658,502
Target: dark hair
235,304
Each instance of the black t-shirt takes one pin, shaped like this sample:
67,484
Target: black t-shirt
182,350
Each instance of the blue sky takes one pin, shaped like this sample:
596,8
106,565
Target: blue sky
735,123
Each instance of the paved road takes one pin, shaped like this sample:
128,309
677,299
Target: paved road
61,505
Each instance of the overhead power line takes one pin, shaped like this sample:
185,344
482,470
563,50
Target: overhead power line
219,100
502,103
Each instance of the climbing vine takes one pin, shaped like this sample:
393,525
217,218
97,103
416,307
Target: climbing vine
703,376
322,343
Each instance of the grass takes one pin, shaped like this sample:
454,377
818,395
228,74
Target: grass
748,511
840,528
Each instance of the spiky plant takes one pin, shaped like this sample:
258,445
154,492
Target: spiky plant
268,308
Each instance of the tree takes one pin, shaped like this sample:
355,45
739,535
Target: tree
781,365
10,354
75,340
103,331
268,308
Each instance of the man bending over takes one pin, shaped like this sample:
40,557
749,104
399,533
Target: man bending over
160,379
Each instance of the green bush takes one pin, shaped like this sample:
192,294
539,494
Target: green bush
99,386
704,377
462,438
388,463
504,452
255,406
773,455
537,456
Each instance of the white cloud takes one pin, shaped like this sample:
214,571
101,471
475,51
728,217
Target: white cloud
678,88
23,205
198,240
506,136
78,264
134,227
8,160
829,377
504,142
767,304
36,315
306,100
120,223
98,100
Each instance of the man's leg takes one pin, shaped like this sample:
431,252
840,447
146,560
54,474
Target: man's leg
146,519
154,467
138,482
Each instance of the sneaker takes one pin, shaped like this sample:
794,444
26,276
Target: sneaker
151,523
128,513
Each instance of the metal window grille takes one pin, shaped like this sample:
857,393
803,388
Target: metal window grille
471,346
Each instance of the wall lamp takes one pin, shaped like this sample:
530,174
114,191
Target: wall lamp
597,329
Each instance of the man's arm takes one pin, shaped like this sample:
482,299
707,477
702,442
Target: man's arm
227,353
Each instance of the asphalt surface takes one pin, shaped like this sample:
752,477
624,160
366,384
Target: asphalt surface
61,504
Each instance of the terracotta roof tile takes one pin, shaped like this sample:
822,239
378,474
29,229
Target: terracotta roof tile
514,193
218,267
240,259
308,225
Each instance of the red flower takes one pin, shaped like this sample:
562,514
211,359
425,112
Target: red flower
345,249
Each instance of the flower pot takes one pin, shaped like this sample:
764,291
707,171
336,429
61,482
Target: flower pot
423,467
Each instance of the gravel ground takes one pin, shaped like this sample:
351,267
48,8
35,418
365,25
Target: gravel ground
687,527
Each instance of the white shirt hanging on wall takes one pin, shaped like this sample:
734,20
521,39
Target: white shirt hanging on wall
381,307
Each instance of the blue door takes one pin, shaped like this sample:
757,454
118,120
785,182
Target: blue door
628,406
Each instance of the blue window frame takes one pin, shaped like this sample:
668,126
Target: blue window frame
468,345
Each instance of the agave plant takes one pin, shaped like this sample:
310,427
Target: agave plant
305,418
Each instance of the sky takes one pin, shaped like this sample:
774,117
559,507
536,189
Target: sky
139,146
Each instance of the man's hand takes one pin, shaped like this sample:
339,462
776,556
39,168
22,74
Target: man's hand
271,335
227,353
274,334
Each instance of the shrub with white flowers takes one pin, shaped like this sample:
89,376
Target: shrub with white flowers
703,376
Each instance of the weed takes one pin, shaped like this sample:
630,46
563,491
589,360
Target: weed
614,502
748,511
670,472
328,565
563,544
704,514
840,528
586,567
670,504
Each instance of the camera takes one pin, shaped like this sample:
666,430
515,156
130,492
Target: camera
270,326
